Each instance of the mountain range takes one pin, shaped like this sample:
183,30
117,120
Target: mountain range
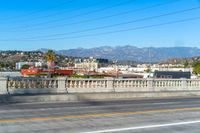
132,53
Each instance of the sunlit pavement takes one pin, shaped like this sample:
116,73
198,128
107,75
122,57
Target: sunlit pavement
181,115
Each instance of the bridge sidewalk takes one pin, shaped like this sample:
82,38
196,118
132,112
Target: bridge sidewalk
81,97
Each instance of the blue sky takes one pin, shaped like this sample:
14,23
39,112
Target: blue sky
66,24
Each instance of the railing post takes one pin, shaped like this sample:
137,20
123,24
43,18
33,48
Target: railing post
61,85
150,84
3,86
110,84
184,84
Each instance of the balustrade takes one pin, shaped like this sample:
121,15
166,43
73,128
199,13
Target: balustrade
24,83
86,83
193,83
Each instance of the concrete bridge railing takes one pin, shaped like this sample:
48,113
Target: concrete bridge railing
23,83
131,85
19,85
63,85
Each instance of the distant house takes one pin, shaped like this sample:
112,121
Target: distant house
125,76
19,65
172,74
90,64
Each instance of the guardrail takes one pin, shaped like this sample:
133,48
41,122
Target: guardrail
87,83
25,83
131,83
71,85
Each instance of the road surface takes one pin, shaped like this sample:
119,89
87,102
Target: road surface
178,115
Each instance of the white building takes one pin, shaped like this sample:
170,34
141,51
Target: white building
90,64
19,65
106,69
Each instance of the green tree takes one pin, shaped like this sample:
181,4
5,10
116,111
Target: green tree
196,68
25,66
186,64
50,56
148,70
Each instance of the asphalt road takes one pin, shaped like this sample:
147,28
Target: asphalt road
179,115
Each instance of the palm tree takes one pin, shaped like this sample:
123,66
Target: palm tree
50,56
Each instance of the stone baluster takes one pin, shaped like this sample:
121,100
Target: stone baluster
71,84
75,86
86,83
68,83
117,85
95,84
79,83
130,84
83,85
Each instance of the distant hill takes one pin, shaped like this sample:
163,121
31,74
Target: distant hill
190,60
146,54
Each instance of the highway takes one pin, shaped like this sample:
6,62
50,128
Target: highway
176,115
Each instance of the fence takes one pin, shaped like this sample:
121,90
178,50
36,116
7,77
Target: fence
132,85
45,85
25,83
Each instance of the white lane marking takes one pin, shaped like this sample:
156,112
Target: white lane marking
144,127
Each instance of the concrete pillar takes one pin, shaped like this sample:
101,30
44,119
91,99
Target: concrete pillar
110,84
61,85
3,86
150,84
184,84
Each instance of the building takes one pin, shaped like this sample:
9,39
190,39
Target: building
10,74
89,64
40,72
109,69
19,65
172,74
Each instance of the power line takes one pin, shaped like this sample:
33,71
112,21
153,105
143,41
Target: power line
78,15
136,28
118,24
58,13
55,14
116,31
104,17
38,11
